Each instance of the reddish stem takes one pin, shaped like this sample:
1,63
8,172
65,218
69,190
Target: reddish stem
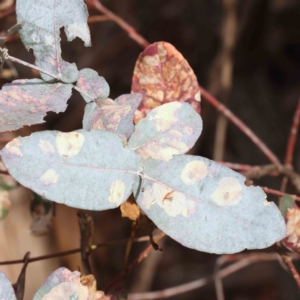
241,125
7,12
293,136
124,25
278,193
143,255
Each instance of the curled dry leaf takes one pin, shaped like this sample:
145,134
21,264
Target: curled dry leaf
69,167
170,129
130,209
6,289
207,207
42,21
114,116
162,75
62,284
93,85
90,282
26,102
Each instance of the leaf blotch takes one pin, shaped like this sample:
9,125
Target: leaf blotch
46,147
165,116
193,172
69,144
117,191
173,203
13,148
228,192
49,177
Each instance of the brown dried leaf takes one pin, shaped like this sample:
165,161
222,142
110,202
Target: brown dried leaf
130,209
162,75
292,242
90,282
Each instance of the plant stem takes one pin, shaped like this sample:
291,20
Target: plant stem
73,251
118,20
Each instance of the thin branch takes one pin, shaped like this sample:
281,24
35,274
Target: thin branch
196,284
278,193
97,5
143,255
5,140
4,172
7,12
95,19
289,263
241,125
73,251
293,136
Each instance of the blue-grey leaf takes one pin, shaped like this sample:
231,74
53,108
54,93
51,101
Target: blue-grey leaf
93,85
169,129
206,206
84,169
62,284
26,102
114,116
42,21
6,289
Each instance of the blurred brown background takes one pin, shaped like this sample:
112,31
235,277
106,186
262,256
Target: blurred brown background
264,56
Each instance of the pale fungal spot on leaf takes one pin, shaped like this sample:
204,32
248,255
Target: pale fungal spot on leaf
267,203
165,116
161,49
151,60
144,79
13,147
194,171
228,192
198,97
49,177
117,191
69,144
173,203
46,147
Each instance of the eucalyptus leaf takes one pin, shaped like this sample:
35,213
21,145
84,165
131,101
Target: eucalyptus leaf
6,289
93,85
27,101
62,284
114,116
42,21
206,206
169,129
88,170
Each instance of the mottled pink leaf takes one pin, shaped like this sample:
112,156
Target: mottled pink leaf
162,75
93,85
26,102
114,116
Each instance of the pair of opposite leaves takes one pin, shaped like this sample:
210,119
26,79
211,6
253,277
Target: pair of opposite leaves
198,202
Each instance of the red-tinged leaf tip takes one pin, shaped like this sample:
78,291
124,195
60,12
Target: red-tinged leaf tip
162,75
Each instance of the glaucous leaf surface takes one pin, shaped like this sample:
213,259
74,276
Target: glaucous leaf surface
93,85
89,170
162,75
170,129
42,21
62,284
6,289
207,207
27,101
114,116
